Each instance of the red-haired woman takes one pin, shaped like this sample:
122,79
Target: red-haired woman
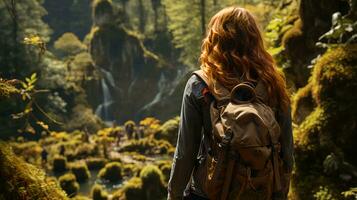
232,52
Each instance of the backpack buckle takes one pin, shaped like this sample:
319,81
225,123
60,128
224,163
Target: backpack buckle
226,140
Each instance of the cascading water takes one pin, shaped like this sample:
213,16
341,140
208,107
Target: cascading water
103,109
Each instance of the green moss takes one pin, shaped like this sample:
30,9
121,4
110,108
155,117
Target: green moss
59,164
147,145
169,130
131,190
302,103
329,129
20,180
111,172
98,193
80,170
131,170
7,89
334,75
96,163
153,182
69,184
294,32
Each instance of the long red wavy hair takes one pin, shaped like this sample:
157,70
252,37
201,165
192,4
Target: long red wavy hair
233,50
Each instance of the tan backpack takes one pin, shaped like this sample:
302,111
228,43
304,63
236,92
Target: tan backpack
243,160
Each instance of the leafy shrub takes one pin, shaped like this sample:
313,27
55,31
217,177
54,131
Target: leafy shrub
80,170
96,163
98,193
111,172
59,164
69,184
69,44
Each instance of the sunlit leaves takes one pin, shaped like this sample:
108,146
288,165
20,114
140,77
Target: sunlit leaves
37,42
351,193
28,86
343,30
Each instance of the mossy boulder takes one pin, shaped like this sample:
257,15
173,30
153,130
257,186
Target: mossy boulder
111,172
80,170
325,139
69,184
149,146
153,182
169,130
98,193
20,180
131,190
96,163
59,164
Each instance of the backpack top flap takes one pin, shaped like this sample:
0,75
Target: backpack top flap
221,93
255,130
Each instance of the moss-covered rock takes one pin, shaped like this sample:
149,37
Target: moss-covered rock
111,172
131,190
59,164
80,170
69,184
96,163
169,130
153,182
98,193
325,138
149,146
20,180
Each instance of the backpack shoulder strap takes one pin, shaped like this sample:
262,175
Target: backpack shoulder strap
223,94
202,75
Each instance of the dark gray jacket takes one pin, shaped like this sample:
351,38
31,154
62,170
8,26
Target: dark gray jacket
184,176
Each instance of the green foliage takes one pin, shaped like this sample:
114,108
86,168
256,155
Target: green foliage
83,116
69,184
20,180
351,193
111,172
69,44
80,171
98,193
343,30
323,194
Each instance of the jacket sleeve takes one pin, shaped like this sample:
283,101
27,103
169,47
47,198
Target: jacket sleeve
287,144
287,151
188,143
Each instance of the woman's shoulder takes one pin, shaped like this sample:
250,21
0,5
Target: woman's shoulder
194,86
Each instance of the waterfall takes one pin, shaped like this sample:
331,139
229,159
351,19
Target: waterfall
103,109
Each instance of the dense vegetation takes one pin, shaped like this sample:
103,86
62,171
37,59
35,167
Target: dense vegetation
90,92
